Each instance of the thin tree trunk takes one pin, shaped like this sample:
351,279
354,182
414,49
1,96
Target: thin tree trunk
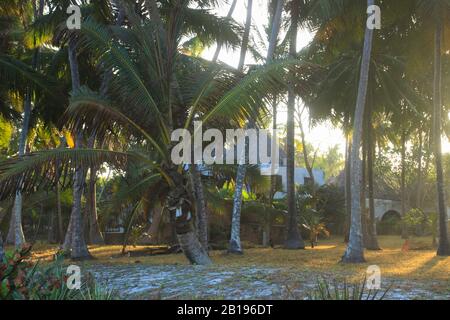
443,246
405,232
202,217
59,213
419,171
372,240
273,183
95,236
355,248
348,194
364,186
308,165
51,227
275,31
2,250
78,245
235,237
293,237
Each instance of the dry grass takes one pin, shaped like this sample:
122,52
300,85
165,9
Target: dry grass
414,264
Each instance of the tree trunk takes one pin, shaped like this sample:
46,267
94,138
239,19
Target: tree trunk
443,246
235,237
200,205
419,171
19,237
78,245
405,232
355,248
193,249
51,227
59,213
95,236
275,30
372,241
348,194
181,209
293,236
363,189
154,227
2,250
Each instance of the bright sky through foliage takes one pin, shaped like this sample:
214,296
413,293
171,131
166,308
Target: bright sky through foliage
322,136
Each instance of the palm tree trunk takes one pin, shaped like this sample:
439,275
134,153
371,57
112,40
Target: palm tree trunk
308,165
180,208
275,30
348,194
19,237
154,227
95,236
78,245
405,232
372,241
202,217
355,248
443,246
2,250
364,186
235,237
59,213
419,171
293,237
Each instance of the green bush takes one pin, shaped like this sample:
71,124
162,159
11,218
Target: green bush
21,279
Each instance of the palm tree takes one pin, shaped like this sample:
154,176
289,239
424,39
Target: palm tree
439,11
355,248
444,245
15,234
293,237
235,236
75,238
155,89
235,241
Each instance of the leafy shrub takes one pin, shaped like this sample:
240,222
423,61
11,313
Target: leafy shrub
416,221
14,272
21,279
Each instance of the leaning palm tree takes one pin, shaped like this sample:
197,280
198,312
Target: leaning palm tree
155,90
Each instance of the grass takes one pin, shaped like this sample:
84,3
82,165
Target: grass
420,264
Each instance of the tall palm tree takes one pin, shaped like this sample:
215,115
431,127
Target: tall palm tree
235,236
235,241
439,10
355,248
444,245
76,242
293,238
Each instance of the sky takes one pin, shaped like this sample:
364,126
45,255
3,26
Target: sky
323,136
